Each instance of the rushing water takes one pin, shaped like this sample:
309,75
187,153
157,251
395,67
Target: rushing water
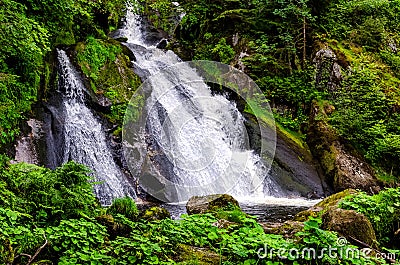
192,137
83,136
200,139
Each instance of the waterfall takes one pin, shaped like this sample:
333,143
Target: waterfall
83,136
192,138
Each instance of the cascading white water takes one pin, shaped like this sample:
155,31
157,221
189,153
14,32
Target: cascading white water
84,138
202,135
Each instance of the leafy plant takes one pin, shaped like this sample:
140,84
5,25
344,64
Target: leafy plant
125,206
94,54
382,209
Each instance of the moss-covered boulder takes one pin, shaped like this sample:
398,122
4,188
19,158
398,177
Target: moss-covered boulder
324,205
155,213
114,228
343,166
195,255
210,203
350,224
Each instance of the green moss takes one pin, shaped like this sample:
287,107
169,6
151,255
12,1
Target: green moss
324,205
107,66
328,159
294,137
335,199
116,80
94,54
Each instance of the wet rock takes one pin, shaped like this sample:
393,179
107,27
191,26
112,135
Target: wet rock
26,147
128,53
162,44
121,39
100,103
209,203
350,224
155,213
293,166
343,167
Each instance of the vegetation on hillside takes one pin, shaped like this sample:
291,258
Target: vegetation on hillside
29,32
276,42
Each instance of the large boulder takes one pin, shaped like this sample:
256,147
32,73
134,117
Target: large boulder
353,225
209,203
343,167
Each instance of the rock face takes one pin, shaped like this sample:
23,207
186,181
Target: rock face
343,168
209,203
294,166
329,74
26,147
349,224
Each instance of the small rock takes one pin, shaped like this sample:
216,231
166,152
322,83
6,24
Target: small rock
114,229
162,44
222,223
122,39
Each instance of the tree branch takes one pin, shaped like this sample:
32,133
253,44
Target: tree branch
38,250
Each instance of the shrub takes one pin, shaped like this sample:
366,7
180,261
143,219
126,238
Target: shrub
125,206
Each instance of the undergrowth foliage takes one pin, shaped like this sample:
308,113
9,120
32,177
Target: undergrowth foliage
382,209
55,214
